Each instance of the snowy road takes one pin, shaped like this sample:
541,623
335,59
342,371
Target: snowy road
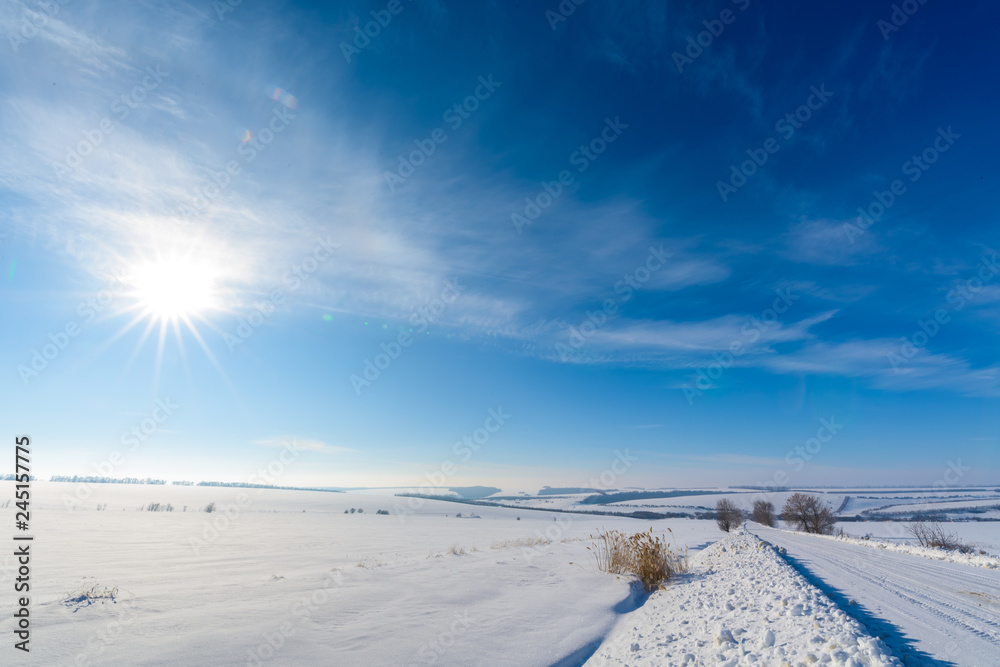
929,612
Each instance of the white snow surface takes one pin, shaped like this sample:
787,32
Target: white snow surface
292,580
982,535
741,604
929,612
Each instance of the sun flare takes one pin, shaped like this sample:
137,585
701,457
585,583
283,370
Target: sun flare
174,289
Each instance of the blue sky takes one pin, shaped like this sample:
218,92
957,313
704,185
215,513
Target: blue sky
633,227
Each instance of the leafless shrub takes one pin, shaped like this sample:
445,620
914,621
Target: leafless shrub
932,534
727,515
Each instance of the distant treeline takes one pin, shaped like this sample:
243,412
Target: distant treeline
105,480
474,492
13,478
182,483
774,489
247,485
633,515
550,491
608,498
868,489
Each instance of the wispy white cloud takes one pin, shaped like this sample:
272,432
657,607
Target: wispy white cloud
306,444
825,242
870,359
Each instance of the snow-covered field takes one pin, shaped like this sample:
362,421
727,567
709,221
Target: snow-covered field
290,579
284,577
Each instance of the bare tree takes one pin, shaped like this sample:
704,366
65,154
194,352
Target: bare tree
727,515
763,512
809,514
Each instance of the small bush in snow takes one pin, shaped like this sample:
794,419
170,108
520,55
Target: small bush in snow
727,515
933,535
647,557
89,596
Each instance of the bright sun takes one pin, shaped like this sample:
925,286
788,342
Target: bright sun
174,289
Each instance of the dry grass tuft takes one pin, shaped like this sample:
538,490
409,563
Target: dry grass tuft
647,557
92,595
371,563
516,542
456,550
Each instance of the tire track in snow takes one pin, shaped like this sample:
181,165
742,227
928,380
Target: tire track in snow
931,604
915,597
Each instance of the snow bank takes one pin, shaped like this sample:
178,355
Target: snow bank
740,604
988,561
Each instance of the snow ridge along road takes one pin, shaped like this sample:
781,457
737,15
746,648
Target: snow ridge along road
929,612
741,604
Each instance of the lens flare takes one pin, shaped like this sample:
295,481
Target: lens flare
283,96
